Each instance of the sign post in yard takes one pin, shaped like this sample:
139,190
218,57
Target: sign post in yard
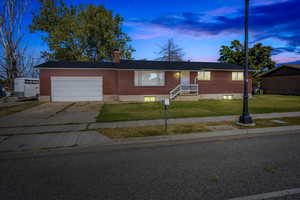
166,103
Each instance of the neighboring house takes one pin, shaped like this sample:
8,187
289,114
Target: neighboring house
282,80
129,80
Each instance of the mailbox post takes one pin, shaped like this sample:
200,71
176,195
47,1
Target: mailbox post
166,103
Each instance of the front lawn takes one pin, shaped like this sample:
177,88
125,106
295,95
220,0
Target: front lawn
201,108
146,131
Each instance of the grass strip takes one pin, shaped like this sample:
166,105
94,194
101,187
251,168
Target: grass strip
187,128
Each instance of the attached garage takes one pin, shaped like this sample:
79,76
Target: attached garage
65,89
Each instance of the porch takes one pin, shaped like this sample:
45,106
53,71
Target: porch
186,87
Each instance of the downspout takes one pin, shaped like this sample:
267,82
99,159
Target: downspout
118,86
195,82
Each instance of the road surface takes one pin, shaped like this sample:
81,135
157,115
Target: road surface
212,170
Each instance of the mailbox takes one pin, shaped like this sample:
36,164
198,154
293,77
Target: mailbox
166,102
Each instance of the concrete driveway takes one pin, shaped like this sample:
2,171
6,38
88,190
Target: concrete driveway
54,113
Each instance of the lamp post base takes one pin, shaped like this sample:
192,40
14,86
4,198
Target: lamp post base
245,119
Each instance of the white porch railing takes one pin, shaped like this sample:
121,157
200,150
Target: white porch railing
186,88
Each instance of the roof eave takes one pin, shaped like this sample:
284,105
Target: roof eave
82,68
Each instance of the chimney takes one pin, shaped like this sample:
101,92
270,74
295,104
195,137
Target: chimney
116,57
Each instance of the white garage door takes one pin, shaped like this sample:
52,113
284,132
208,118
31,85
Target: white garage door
76,88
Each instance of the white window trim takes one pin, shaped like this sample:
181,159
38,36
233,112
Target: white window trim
236,78
152,71
204,75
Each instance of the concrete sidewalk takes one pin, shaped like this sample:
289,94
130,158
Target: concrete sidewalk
41,129
124,124
37,142
85,126
51,141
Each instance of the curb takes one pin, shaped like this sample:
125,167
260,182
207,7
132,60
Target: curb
116,144
206,135
270,195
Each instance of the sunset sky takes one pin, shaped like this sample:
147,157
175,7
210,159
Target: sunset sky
200,27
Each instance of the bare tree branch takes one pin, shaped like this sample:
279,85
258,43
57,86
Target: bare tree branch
11,38
170,52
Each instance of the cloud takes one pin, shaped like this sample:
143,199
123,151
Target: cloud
285,59
280,50
266,2
221,11
268,19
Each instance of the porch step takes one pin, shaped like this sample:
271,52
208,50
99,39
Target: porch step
185,90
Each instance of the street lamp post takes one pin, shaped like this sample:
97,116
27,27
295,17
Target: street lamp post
245,118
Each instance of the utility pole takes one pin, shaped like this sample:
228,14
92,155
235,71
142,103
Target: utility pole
245,118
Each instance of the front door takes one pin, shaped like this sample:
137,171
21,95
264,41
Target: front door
185,78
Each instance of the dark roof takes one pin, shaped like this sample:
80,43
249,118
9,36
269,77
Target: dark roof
142,65
294,66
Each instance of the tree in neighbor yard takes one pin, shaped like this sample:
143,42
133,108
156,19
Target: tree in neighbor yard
11,47
80,33
170,52
259,57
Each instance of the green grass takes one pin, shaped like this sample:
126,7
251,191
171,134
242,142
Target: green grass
270,169
18,108
186,128
146,131
263,123
201,108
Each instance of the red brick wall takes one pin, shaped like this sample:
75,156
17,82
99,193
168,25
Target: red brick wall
281,84
127,87
109,78
221,82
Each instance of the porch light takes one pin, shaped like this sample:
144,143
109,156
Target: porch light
177,75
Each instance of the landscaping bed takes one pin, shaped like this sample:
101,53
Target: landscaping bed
201,108
193,128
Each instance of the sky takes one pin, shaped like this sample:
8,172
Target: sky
199,27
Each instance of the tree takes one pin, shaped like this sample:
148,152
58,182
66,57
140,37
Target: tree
27,64
259,57
80,33
170,52
11,48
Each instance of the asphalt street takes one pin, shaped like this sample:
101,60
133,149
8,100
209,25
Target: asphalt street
211,170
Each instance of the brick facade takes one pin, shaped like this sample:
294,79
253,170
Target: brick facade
221,83
121,82
109,78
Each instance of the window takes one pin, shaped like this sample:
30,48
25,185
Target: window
228,97
149,78
149,99
237,76
204,75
